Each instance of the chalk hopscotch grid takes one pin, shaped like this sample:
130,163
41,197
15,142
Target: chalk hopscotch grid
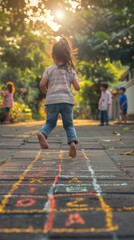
104,207
63,210
49,225
12,190
9,194
17,184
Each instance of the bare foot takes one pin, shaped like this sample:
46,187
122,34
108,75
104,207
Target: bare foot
42,141
72,152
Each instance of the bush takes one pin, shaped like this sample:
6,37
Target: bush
42,113
2,111
2,115
20,112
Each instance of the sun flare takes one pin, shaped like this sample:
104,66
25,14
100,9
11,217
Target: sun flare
34,2
59,14
53,19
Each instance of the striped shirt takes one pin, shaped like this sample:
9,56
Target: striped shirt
59,84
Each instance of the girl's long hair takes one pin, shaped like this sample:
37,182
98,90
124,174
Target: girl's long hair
10,87
62,51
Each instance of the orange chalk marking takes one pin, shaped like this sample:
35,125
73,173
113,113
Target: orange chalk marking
74,180
36,180
76,203
32,189
25,202
49,225
74,218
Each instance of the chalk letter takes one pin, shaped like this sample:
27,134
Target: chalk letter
76,203
74,219
74,180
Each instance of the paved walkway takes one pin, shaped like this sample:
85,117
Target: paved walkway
46,195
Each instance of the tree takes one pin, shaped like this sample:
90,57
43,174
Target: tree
91,75
23,50
103,31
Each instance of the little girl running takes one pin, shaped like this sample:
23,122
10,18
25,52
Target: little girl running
56,84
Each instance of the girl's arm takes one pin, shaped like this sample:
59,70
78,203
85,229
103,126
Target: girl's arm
76,85
43,85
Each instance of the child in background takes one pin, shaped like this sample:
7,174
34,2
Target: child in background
56,84
8,100
123,104
104,104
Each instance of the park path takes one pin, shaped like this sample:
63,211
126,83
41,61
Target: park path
46,195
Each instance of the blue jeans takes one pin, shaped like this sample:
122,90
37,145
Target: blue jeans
104,117
66,111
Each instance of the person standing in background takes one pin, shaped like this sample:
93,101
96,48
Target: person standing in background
8,100
104,104
123,104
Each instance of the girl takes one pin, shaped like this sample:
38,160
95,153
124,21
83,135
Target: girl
56,84
8,100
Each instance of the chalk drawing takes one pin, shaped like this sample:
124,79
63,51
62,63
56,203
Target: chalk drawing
36,180
32,189
76,203
96,186
74,218
49,163
50,205
76,189
105,207
74,180
26,202
17,184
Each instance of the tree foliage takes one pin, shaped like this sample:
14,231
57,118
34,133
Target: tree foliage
91,75
102,30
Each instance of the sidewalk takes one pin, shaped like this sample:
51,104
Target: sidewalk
46,195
